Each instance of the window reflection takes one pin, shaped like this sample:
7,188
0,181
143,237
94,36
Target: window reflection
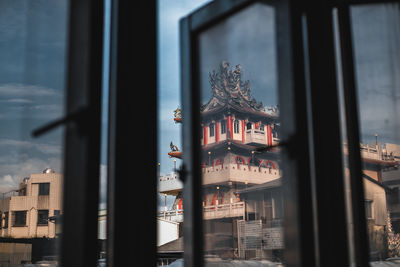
241,177
170,200
375,30
32,78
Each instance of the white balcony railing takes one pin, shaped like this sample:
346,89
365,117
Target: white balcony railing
171,215
230,210
256,136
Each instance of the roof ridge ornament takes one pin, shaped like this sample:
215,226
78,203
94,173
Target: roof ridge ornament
227,87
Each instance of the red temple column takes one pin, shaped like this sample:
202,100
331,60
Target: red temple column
229,127
243,130
269,135
217,131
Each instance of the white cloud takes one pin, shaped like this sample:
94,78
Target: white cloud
20,144
19,159
25,90
18,101
19,166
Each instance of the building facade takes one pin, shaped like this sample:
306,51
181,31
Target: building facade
25,212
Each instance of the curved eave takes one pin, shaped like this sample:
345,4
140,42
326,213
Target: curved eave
175,154
238,147
228,109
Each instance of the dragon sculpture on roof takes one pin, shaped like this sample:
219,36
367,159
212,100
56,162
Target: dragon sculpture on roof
227,87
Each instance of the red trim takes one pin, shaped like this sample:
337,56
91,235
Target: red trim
243,130
237,162
180,205
269,135
217,132
273,166
214,199
205,135
229,128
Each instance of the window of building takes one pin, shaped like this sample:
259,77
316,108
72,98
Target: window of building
5,219
44,189
43,217
236,126
19,218
223,127
248,126
212,129
368,209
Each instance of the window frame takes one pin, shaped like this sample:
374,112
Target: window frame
223,126
42,223
189,26
22,214
44,189
85,43
303,54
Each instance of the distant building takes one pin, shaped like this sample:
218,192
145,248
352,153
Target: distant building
25,212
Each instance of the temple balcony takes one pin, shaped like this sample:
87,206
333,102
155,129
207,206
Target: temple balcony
256,136
175,215
238,173
230,210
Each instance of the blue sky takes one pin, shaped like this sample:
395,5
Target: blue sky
169,14
32,64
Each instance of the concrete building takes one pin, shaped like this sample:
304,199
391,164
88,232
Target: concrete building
25,212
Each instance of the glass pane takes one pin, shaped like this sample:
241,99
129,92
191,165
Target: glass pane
170,206
376,41
103,185
33,47
242,187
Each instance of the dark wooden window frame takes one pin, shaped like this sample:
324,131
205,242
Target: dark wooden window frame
301,26
315,211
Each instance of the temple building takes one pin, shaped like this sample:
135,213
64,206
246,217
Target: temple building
243,202
239,138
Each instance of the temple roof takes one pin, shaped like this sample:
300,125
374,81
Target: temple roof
237,147
231,95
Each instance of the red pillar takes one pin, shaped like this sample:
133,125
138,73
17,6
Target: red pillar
243,130
217,131
228,126
269,135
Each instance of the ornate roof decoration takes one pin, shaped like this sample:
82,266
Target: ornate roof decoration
228,89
